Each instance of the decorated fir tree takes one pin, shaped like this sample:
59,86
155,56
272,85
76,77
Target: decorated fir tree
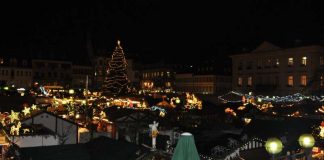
116,81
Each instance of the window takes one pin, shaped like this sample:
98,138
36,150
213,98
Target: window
239,81
303,80
277,63
322,61
268,63
249,81
249,65
24,63
259,65
290,81
304,61
276,80
240,66
322,81
1,61
290,61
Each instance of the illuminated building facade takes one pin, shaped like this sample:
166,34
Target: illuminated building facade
52,72
157,77
79,76
203,84
274,70
15,72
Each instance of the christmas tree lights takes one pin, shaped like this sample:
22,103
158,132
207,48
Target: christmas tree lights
116,82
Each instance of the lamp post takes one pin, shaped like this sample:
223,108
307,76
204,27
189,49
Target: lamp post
273,146
307,141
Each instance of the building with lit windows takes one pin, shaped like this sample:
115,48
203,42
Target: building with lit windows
203,84
52,72
156,77
15,72
278,71
80,74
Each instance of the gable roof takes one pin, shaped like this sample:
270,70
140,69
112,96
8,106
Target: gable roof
266,46
52,114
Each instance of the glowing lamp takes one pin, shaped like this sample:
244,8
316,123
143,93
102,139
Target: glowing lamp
273,146
71,91
306,141
177,101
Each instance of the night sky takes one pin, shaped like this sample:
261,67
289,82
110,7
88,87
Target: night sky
157,28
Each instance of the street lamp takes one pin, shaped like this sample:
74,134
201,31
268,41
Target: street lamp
307,141
71,91
273,146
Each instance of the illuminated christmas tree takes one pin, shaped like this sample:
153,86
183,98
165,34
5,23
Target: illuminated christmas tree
116,82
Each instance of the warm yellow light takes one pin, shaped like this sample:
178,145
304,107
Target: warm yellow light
71,91
273,145
247,120
177,101
306,140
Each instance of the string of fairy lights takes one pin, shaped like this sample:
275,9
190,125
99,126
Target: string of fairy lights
294,98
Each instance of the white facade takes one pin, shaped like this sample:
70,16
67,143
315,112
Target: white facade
35,140
66,131
17,76
270,69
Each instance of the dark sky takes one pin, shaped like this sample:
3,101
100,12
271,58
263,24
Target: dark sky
158,28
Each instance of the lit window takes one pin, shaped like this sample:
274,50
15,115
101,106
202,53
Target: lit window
1,60
322,81
168,74
322,61
162,74
303,80
290,80
249,81
304,61
277,62
168,84
239,81
290,61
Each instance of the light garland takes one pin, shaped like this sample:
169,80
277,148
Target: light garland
193,102
277,99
